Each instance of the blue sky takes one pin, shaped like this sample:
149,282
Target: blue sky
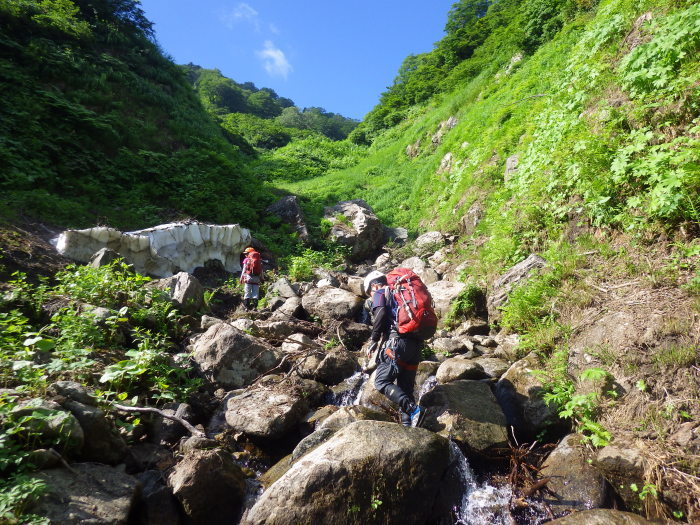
336,55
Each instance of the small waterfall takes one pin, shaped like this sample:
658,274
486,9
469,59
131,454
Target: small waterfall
480,503
427,386
348,392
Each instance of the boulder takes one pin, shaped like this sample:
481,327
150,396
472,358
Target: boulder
331,303
575,483
208,321
71,390
472,327
622,465
329,368
311,441
467,412
103,443
602,517
184,291
368,472
459,368
50,423
471,219
291,307
283,288
158,505
273,408
359,228
511,167
520,394
372,398
414,263
289,210
162,250
428,243
443,292
297,342
210,486
498,296
103,257
166,431
398,236
231,358
448,345
346,415
446,164
86,493
492,366
425,377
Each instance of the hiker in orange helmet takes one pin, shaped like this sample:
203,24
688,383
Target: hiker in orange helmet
251,277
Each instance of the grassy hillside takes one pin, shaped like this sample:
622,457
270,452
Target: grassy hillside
104,127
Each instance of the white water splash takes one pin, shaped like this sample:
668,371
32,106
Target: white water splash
427,386
351,395
480,504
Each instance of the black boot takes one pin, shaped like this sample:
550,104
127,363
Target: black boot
254,304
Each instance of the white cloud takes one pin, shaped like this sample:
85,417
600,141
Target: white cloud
274,30
242,12
274,60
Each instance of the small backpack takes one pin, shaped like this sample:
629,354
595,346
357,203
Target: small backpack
412,304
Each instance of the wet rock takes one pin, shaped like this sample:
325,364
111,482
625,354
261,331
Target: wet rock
601,517
331,303
276,471
147,456
575,483
272,409
360,228
520,394
311,441
351,459
289,210
622,465
158,505
346,415
498,296
102,441
184,291
103,257
467,412
232,358
426,370
209,485
459,368
372,398
443,292
428,243
98,495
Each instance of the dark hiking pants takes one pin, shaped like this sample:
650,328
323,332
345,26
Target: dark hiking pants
399,362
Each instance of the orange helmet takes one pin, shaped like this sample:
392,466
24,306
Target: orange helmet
249,249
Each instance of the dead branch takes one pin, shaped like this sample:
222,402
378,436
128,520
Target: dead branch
151,410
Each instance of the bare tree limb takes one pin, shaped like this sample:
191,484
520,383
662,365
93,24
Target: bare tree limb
151,410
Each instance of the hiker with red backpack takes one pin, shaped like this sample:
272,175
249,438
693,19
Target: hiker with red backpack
251,277
403,317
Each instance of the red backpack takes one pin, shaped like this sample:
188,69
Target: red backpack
412,304
253,264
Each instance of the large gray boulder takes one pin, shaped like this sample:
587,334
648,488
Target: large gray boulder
443,293
328,368
622,465
49,423
360,229
498,295
289,210
87,493
467,412
575,484
210,486
272,408
347,415
231,358
330,303
428,243
457,368
184,291
520,393
368,472
283,288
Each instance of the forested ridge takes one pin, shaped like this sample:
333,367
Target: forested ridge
561,131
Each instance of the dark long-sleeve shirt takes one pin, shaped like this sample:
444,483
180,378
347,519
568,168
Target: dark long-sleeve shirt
381,314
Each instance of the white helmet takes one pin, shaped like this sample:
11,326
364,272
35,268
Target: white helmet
371,276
